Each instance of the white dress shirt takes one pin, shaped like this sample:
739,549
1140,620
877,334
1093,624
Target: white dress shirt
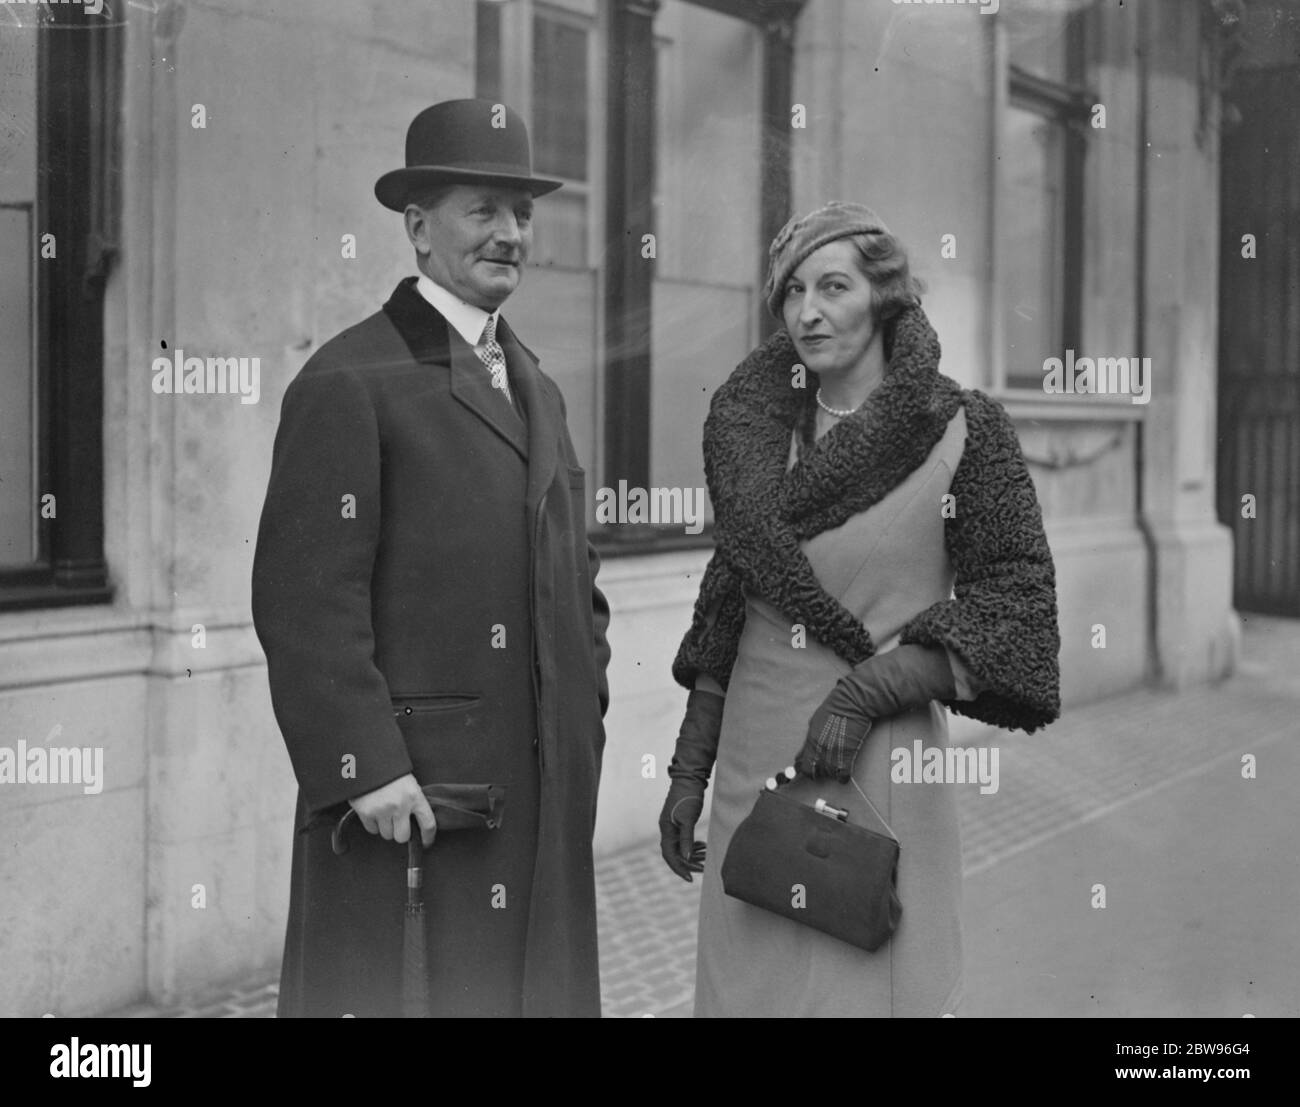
468,320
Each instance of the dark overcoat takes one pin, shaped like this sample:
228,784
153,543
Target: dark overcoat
425,596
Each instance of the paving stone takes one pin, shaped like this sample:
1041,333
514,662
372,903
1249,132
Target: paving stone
1095,758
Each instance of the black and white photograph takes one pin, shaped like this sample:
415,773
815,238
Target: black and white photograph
650,509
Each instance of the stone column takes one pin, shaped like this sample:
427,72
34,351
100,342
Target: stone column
1196,630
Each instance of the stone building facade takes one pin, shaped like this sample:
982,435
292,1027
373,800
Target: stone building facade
216,200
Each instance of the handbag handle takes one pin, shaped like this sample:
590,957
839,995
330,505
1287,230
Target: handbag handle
787,776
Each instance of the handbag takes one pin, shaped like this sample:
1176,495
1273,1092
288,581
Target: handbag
808,863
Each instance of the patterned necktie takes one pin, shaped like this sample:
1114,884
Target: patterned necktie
490,354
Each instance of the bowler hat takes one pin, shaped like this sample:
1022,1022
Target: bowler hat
463,142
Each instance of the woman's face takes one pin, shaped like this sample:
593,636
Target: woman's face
827,309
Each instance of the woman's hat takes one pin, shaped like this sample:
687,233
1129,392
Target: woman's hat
806,233
463,142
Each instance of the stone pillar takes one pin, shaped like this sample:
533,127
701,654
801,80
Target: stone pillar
1196,630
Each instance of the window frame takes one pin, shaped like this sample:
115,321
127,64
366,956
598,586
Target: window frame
629,203
621,155
79,70
1060,107
1068,104
588,26
514,86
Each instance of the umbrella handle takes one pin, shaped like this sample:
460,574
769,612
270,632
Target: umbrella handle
491,819
415,867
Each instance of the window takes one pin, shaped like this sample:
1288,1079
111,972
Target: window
540,58
561,103
657,115
59,84
559,96
704,297
1043,145
487,50
545,61
19,540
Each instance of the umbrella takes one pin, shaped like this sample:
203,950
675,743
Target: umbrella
455,807
415,973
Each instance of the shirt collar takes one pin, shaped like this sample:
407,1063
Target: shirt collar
467,319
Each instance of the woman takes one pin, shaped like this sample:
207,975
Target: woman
854,488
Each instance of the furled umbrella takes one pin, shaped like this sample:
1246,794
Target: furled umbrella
455,807
415,973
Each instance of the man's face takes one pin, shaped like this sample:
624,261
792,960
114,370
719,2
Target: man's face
474,241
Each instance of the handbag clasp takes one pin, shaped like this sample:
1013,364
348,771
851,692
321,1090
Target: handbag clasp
824,808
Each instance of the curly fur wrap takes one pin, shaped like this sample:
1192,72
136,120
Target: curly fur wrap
1002,619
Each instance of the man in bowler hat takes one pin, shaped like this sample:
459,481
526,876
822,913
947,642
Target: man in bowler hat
425,594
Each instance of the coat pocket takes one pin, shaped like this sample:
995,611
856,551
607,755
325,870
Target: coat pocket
577,521
446,735
424,703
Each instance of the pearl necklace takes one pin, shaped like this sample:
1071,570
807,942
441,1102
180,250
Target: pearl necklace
839,413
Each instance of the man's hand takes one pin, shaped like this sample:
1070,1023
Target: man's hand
387,811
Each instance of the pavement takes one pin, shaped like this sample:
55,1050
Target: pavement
1134,861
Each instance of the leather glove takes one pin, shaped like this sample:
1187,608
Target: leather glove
697,749
887,684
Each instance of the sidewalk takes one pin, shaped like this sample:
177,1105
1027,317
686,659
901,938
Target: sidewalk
1143,794
1200,866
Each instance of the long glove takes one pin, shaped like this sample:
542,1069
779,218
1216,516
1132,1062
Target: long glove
887,684
697,749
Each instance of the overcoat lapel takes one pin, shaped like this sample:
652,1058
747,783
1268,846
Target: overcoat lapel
431,342
471,386
543,413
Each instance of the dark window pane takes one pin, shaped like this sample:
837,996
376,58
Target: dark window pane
18,382
559,98
1033,284
707,212
708,171
487,50
58,174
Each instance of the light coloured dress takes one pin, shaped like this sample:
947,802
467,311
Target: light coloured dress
885,565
